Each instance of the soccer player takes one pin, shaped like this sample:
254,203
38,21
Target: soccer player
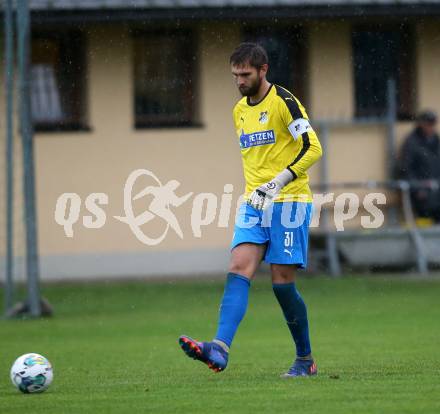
278,145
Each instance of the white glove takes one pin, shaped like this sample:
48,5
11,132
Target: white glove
263,196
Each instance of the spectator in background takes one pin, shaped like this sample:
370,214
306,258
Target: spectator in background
420,161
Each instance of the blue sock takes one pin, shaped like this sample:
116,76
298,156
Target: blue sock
295,312
233,307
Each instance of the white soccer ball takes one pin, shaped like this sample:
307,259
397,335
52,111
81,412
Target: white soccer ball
31,373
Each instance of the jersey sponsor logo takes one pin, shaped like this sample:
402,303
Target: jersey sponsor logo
264,117
257,138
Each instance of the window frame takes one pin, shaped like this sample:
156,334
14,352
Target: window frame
190,72
297,42
79,118
406,80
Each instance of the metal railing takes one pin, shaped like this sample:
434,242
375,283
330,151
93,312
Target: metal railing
404,188
324,126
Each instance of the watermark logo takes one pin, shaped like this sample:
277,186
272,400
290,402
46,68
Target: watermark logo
164,200
158,202
164,197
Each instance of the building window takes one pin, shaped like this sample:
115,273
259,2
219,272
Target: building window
379,55
164,78
58,81
286,49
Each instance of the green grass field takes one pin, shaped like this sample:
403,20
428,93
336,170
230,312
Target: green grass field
114,349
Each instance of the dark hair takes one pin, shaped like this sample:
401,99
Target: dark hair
251,53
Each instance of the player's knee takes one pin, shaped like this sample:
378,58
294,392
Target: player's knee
282,274
242,267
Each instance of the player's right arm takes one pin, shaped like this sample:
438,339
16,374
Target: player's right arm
236,117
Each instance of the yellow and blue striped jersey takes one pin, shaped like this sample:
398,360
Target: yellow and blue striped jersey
275,134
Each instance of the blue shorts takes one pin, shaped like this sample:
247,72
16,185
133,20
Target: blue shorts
284,227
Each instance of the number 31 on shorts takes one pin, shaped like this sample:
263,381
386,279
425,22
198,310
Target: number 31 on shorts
288,238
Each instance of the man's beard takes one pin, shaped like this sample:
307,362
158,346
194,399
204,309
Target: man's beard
251,90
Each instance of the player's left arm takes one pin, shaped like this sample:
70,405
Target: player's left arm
296,121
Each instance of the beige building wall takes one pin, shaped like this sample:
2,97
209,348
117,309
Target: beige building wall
428,68
331,75
203,159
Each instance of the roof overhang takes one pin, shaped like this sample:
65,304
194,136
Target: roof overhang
295,10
